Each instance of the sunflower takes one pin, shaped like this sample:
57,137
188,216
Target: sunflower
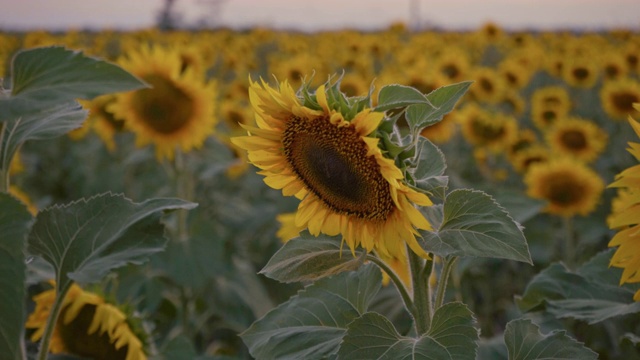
493,131
568,186
177,112
515,74
489,85
613,66
578,138
87,327
345,183
618,98
552,96
454,64
624,217
579,72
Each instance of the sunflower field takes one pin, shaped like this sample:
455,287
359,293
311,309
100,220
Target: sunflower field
263,194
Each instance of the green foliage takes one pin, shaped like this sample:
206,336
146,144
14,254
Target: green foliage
310,258
471,223
588,294
525,342
86,239
15,221
311,324
372,336
51,76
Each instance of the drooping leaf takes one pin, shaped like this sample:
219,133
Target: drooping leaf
579,295
15,221
473,224
86,239
45,123
311,324
451,336
43,77
525,342
309,258
397,96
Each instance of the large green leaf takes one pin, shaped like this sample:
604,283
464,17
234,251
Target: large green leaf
15,221
43,77
39,124
473,224
525,342
86,239
310,258
590,294
311,324
451,336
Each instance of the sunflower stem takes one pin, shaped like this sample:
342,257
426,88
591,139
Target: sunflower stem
404,293
420,272
570,242
52,320
4,173
444,278
183,192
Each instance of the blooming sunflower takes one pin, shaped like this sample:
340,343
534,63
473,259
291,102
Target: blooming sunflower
490,86
177,112
335,167
625,217
579,72
87,327
619,96
493,131
568,186
578,138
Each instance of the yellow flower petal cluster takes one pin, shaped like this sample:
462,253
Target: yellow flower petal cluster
105,334
626,217
333,165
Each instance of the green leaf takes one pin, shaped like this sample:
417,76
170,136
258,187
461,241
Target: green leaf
311,324
311,258
43,77
579,295
440,102
451,336
444,98
397,96
473,224
86,239
15,222
429,170
37,125
453,326
525,342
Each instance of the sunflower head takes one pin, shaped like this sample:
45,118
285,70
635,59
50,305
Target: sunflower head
624,218
88,326
569,187
578,138
620,97
322,147
176,112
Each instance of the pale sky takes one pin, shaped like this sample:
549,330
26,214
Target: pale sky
311,15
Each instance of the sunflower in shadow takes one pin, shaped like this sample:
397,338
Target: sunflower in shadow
625,217
569,187
576,137
176,112
332,163
88,326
